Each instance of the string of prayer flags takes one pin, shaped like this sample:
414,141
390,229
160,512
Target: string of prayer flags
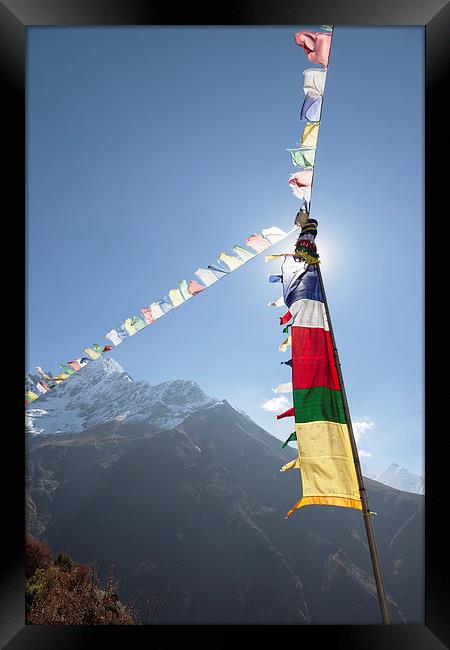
175,298
316,45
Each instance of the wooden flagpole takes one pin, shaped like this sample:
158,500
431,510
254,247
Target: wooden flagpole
362,490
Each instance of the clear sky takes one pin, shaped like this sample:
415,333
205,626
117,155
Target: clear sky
151,150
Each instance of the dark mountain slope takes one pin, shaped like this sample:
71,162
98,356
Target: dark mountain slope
198,511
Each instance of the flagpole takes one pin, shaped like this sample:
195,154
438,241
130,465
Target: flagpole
362,490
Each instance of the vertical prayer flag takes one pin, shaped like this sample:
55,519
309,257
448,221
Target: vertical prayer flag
310,135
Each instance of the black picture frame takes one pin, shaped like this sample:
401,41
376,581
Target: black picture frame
15,17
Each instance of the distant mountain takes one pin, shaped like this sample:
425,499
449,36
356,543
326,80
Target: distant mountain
198,511
103,392
402,479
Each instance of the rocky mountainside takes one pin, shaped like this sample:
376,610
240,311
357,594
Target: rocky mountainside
197,511
103,392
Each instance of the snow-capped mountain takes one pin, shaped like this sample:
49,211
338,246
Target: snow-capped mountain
402,479
104,391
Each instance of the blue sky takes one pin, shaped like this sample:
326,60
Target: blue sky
150,150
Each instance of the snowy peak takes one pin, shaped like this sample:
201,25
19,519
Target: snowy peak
104,391
402,479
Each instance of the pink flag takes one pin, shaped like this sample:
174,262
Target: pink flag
195,287
74,364
301,179
316,45
147,313
257,242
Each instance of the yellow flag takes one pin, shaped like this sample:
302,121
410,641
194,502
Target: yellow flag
327,466
283,347
231,261
294,464
310,135
92,353
175,297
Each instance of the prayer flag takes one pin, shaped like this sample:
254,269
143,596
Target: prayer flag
257,242
91,353
195,287
184,289
292,438
302,157
42,387
274,234
316,45
42,373
294,464
231,261
310,135
314,81
115,337
283,388
176,297
147,313
243,254
311,108
283,347
206,276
